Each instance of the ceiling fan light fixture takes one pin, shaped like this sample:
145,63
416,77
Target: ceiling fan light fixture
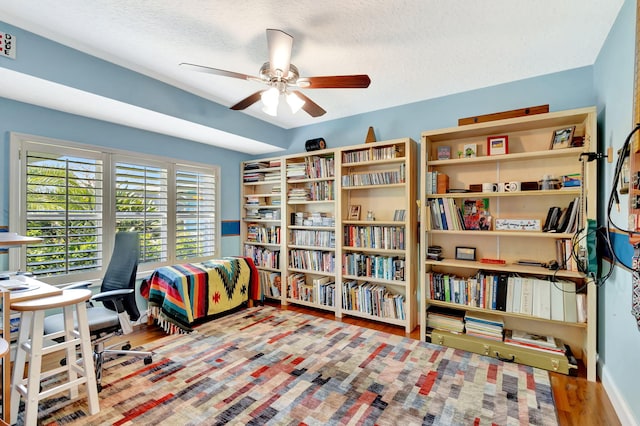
270,98
294,101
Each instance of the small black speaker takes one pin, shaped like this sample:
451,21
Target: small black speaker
315,144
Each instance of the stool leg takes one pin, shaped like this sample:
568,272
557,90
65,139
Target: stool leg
87,358
26,318
35,366
69,327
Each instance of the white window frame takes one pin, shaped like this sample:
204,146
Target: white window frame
19,143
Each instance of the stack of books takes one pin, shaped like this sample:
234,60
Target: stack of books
539,342
484,325
445,319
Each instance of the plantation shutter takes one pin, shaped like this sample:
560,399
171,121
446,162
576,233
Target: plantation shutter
195,213
64,197
141,205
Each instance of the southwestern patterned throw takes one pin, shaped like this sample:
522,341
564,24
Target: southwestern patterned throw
178,295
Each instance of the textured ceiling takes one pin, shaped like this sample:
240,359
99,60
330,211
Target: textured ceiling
412,50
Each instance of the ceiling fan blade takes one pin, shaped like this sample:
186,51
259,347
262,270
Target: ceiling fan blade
248,101
280,45
216,71
310,107
358,81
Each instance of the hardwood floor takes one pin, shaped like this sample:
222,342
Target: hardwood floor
578,401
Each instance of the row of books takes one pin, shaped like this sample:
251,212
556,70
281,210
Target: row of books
264,212
473,215
490,327
312,168
437,182
378,153
320,290
263,234
563,219
312,260
555,300
375,178
374,236
373,266
314,191
270,282
565,255
304,237
312,219
262,257
372,299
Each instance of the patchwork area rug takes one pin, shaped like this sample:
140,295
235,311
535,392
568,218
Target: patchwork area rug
264,366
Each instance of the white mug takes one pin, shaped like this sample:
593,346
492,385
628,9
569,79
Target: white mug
489,187
501,186
512,186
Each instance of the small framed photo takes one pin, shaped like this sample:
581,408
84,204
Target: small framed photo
498,145
562,138
444,152
466,253
470,150
354,212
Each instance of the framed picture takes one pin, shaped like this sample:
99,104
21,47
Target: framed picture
354,212
470,150
561,138
465,253
497,145
444,152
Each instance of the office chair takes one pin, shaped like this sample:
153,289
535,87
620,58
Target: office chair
118,308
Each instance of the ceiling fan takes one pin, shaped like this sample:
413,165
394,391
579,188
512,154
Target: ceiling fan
282,76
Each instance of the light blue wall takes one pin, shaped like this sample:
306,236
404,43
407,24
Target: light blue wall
564,90
48,60
618,334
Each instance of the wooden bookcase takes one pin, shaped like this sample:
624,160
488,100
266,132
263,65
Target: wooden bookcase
379,247
317,191
311,214
263,220
528,159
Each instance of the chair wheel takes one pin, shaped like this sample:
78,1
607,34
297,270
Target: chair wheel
63,362
147,360
126,347
99,386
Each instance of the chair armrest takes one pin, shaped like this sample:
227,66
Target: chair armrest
112,295
79,284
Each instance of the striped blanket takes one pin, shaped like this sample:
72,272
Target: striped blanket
179,295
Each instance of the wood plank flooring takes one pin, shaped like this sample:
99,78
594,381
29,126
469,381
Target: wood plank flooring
578,401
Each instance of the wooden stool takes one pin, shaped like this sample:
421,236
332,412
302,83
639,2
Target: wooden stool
30,348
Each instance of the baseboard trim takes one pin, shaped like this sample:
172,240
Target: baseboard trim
619,403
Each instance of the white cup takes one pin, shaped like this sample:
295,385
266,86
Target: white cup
501,187
512,186
489,187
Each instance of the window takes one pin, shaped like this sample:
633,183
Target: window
141,205
195,213
76,197
64,208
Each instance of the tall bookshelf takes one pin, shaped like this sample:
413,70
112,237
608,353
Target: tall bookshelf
311,231
379,248
516,237
263,219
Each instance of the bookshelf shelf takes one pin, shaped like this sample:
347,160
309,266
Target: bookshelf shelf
531,159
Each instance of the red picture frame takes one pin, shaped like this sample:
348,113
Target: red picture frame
498,145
